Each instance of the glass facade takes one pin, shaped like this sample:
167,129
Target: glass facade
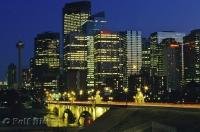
192,56
146,55
107,60
45,64
75,14
134,52
75,58
172,63
131,42
156,50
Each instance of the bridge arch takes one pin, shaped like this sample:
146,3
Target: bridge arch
69,116
55,111
85,118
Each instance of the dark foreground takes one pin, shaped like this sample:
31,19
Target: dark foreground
140,119
147,120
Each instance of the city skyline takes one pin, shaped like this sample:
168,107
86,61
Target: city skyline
28,25
90,65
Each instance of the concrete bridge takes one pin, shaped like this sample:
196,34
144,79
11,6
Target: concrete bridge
76,113
79,112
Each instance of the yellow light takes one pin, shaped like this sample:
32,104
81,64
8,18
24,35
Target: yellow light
111,91
81,92
146,88
125,90
99,111
134,67
138,89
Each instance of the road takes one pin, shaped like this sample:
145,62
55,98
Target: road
130,104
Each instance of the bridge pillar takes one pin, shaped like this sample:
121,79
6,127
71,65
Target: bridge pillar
61,109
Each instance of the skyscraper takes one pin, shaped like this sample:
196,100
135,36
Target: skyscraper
172,63
45,64
75,14
132,53
107,61
157,66
75,55
11,75
192,56
156,51
93,26
146,55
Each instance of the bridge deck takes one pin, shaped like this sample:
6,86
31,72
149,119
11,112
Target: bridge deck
127,104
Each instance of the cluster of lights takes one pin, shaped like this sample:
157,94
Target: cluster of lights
94,95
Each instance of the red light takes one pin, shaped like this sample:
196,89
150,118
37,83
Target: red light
174,46
105,32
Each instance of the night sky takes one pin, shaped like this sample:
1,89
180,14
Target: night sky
23,19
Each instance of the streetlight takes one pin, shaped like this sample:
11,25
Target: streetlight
146,88
81,92
126,92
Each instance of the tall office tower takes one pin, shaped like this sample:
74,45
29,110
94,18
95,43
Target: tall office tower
75,14
45,64
157,73
146,55
20,46
192,56
94,24
172,63
107,55
156,51
11,75
76,61
132,53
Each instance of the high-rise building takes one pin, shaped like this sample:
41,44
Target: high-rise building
156,51
75,57
45,64
12,76
132,54
107,54
92,27
172,63
157,66
146,55
75,14
192,56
